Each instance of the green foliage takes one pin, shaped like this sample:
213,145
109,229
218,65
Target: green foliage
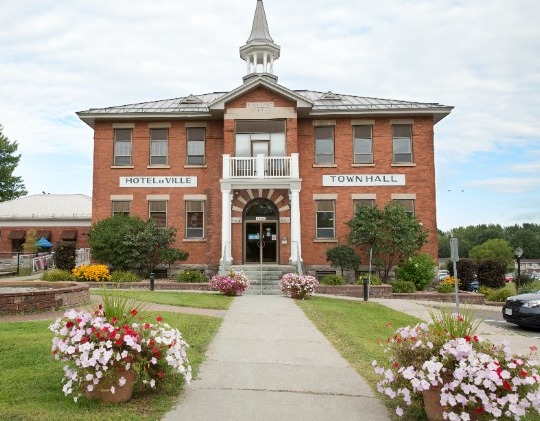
190,275
171,255
494,249
374,279
445,322
52,275
64,255
11,187
403,287
501,294
447,285
528,288
343,257
119,276
466,269
126,310
482,289
29,245
419,269
333,280
391,233
129,243
491,273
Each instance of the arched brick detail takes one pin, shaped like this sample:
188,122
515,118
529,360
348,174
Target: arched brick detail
280,197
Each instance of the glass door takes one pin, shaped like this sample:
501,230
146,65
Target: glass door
260,242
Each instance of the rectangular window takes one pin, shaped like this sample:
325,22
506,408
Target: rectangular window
363,145
121,207
324,145
370,203
122,147
402,144
195,146
157,211
408,205
159,146
194,219
325,218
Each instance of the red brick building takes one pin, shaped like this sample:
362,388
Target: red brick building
263,164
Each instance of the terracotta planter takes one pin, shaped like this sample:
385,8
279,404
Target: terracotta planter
298,295
121,393
434,409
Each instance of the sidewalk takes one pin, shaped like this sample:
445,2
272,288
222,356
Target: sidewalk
268,362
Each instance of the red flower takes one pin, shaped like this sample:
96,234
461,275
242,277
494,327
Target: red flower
395,365
479,410
523,373
475,338
114,320
69,324
159,318
84,339
467,338
147,325
507,385
118,342
155,350
133,312
100,306
160,374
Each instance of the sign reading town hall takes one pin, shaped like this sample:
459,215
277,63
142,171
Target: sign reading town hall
364,180
172,181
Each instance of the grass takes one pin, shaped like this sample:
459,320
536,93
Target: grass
213,301
31,379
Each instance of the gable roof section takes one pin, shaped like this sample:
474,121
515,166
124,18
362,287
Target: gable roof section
47,207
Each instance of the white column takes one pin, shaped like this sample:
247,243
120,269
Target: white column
226,166
296,241
226,197
295,172
271,64
260,165
248,63
254,63
265,63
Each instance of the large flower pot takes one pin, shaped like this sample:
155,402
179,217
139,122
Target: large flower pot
434,409
121,393
298,295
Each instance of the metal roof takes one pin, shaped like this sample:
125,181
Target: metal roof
259,30
47,206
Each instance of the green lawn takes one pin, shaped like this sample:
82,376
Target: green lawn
30,380
215,301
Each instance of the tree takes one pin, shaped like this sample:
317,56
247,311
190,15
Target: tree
391,233
29,245
495,249
129,243
171,255
11,186
419,269
343,257
64,255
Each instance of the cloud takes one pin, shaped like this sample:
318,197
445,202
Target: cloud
506,185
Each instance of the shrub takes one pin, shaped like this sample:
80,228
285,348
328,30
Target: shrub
91,273
190,275
466,269
333,280
124,276
64,255
524,279
448,285
502,294
374,279
485,290
529,288
52,275
419,269
403,286
343,257
491,273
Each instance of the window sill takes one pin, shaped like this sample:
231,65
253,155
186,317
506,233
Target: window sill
157,167
325,240
404,164
195,166
194,240
324,165
121,167
362,165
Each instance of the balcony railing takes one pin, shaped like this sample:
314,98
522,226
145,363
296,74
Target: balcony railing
260,166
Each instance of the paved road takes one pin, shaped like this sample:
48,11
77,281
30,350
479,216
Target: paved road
495,318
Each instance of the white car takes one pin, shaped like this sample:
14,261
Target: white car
443,274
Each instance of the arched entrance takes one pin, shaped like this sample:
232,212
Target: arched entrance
261,225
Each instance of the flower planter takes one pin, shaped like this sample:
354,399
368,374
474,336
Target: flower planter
434,409
298,295
122,392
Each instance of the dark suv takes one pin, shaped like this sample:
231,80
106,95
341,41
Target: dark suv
523,310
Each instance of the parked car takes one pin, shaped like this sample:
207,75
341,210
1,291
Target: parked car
509,277
523,310
443,274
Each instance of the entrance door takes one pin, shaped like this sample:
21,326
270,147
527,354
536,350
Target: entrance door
260,242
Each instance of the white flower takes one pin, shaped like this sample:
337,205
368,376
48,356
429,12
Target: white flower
122,381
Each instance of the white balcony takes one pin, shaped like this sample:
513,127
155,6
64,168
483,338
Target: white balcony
260,167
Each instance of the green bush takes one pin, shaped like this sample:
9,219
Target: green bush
64,255
466,269
491,273
190,275
374,279
529,288
485,290
501,294
418,269
333,280
124,276
447,285
403,286
52,275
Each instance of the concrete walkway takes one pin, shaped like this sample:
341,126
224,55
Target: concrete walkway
268,362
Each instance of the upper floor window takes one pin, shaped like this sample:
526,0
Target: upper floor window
194,219
159,146
157,211
358,203
402,144
324,145
363,145
121,207
254,137
195,146
408,205
122,147
325,218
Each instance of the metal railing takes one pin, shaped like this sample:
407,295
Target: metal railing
260,167
82,256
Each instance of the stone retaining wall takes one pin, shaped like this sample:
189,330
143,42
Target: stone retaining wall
464,297
375,291
158,285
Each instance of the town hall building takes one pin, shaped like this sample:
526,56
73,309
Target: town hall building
263,173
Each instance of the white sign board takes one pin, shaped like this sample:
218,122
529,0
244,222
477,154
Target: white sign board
348,180
172,181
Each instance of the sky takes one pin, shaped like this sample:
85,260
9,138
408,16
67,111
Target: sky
481,57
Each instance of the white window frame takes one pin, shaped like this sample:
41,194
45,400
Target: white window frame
157,159
202,157
117,160
318,139
356,144
320,230
151,212
399,141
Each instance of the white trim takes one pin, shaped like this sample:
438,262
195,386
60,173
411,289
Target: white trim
159,125
198,197
196,124
319,123
360,196
158,197
402,121
403,196
362,122
328,196
123,126
259,113
121,197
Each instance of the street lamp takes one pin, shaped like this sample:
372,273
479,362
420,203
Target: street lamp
518,252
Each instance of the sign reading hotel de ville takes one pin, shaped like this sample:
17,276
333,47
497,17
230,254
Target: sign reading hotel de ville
354,180
172,181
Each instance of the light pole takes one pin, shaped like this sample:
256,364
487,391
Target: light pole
518,252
